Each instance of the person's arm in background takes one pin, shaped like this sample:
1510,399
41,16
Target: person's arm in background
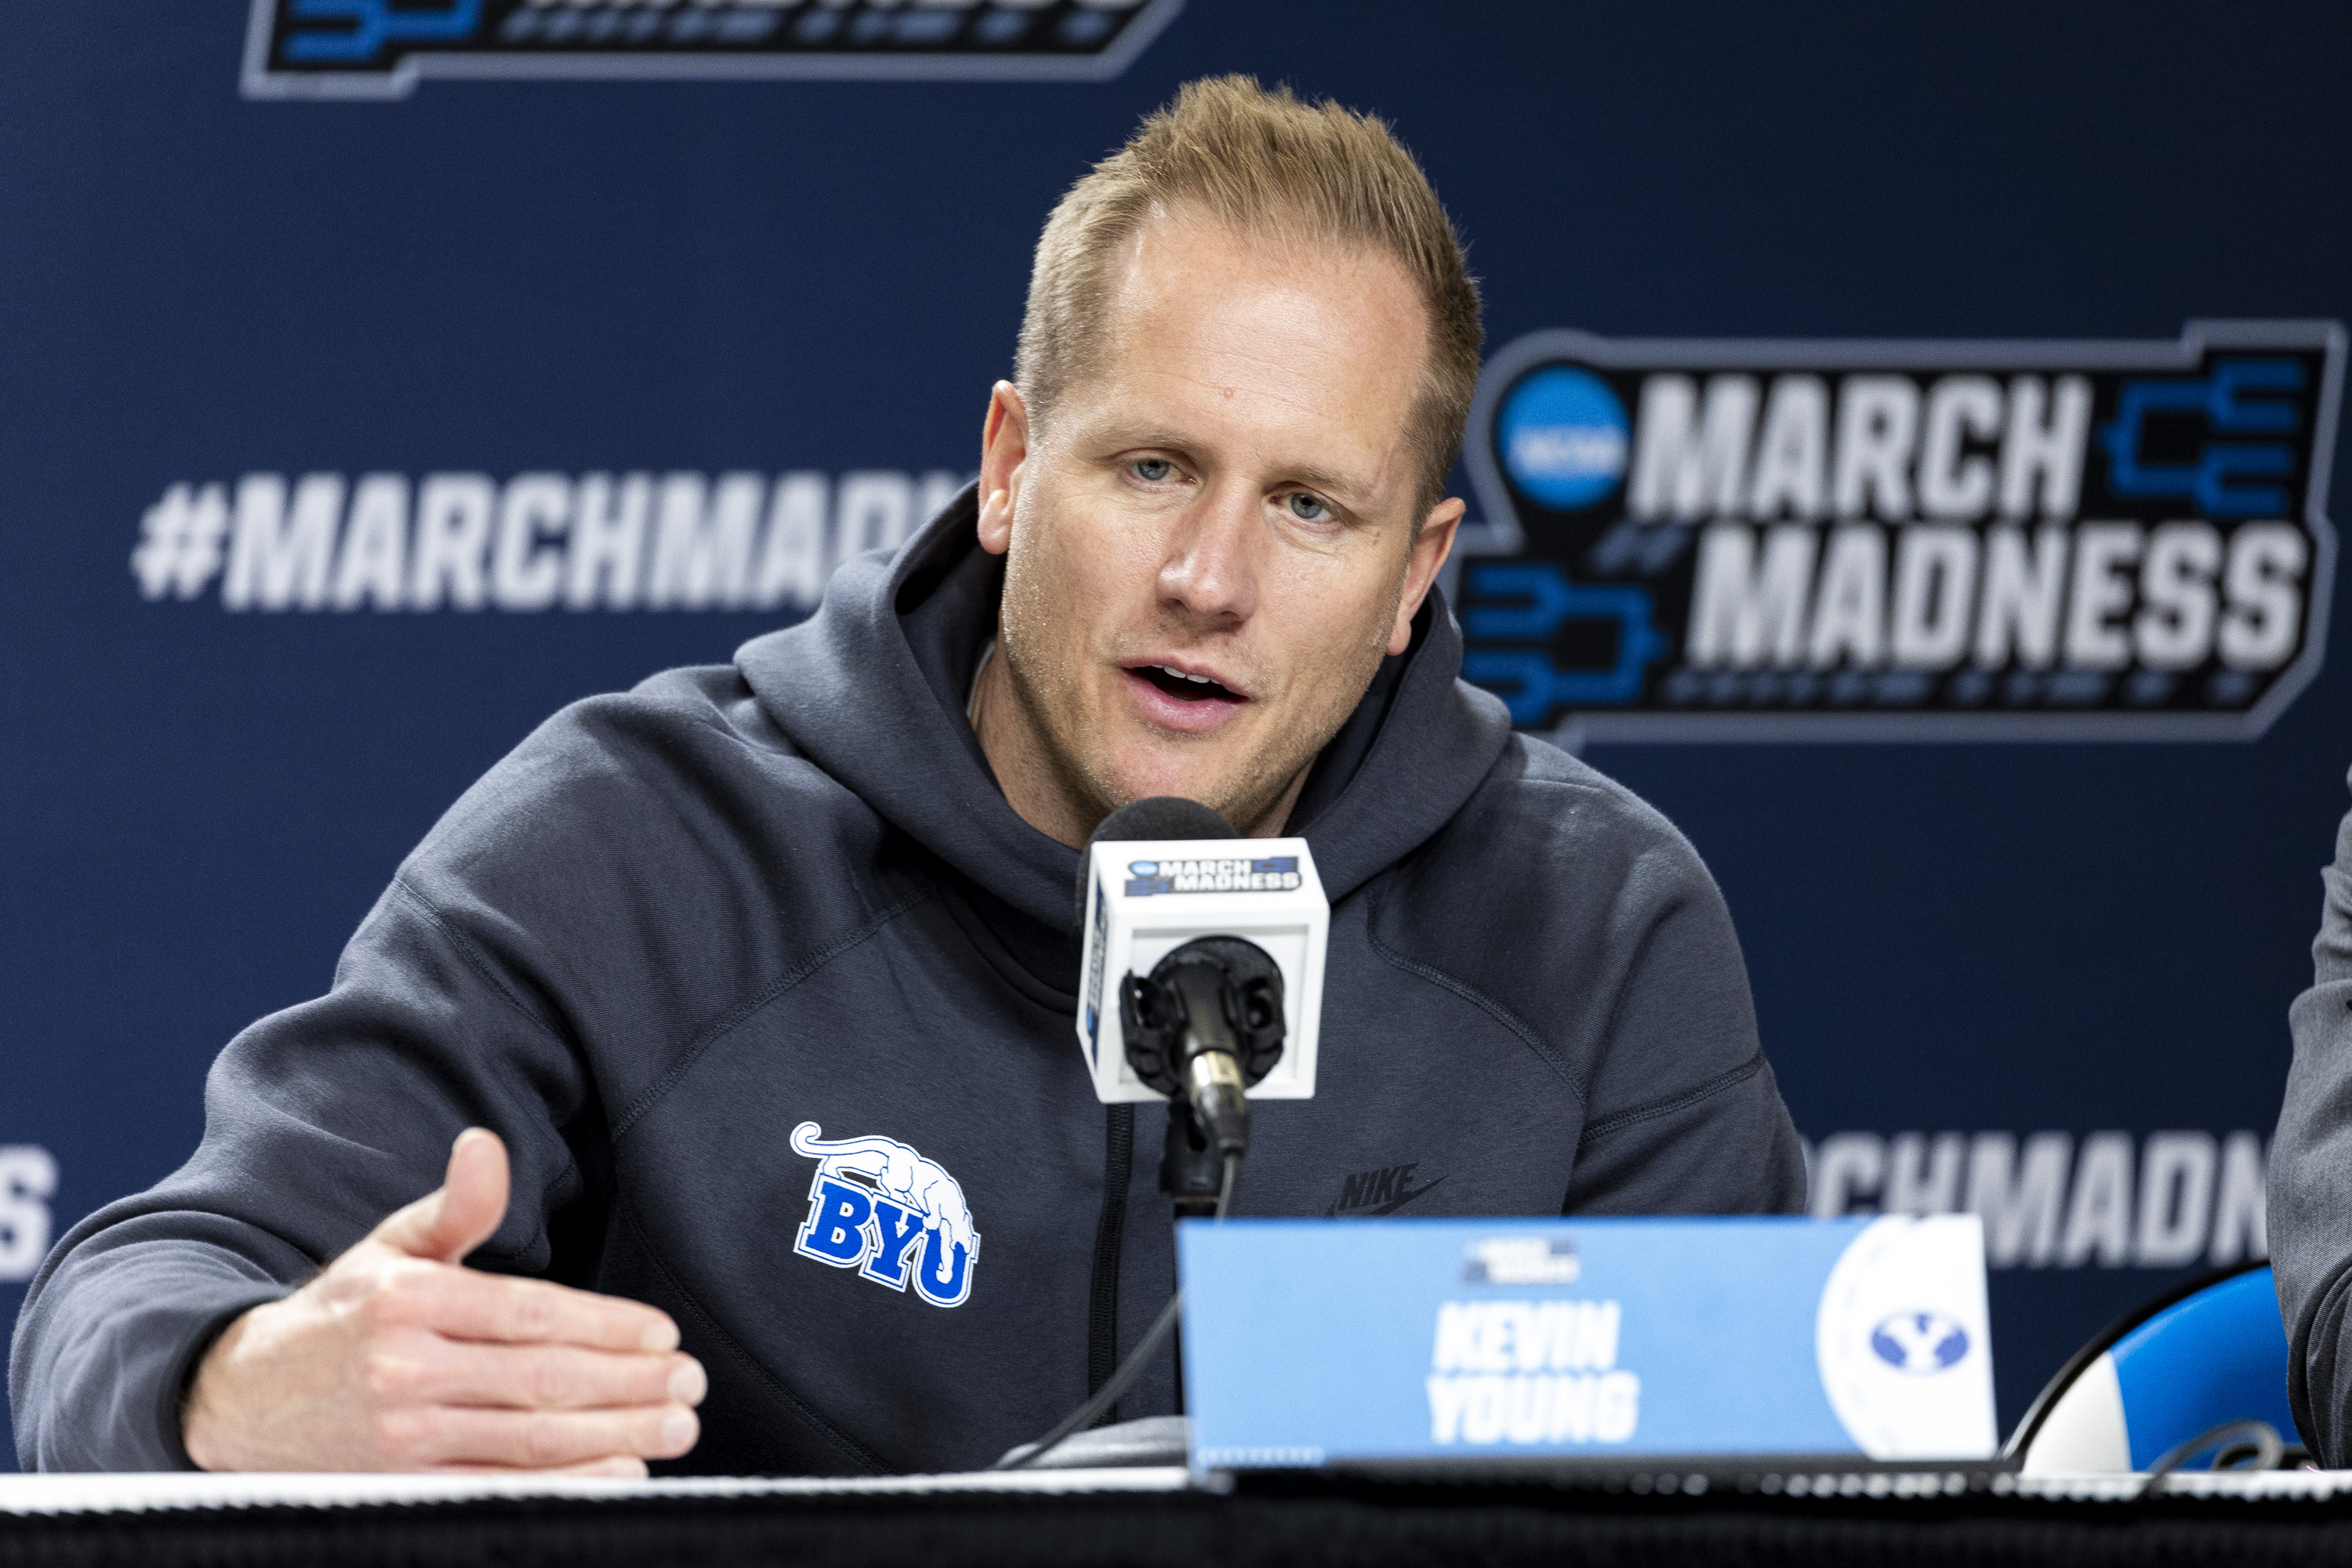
2310,1197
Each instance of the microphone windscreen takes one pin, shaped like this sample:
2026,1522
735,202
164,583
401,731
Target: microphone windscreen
1162,817
1155,816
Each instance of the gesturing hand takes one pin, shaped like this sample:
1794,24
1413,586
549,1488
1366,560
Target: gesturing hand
397,1358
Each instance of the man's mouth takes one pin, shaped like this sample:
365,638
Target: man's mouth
1185,688
1188,700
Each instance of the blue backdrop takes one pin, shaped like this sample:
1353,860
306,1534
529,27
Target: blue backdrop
812,282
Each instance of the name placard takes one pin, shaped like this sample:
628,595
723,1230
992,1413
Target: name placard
1314,1341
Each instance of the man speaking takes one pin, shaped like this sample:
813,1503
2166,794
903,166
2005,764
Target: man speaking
694,956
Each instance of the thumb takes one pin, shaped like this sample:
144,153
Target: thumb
447,1225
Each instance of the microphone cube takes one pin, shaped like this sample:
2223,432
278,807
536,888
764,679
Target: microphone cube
1146,898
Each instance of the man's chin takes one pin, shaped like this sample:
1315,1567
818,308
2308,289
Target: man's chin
1235,793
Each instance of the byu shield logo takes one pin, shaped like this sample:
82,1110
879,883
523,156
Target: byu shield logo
1919,1341
877,1206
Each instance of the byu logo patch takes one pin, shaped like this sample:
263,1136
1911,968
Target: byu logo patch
877,1206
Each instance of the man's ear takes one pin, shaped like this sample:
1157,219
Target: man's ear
1003,449
1420,569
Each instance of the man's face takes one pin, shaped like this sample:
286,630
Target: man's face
1209,541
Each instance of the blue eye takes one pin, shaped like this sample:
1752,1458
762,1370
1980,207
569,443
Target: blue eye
1151,470
1306,508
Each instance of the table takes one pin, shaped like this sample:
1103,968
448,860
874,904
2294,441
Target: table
1915,1519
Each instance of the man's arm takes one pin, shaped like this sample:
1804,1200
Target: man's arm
1682,1112
397,1358
2310,1197
319,1122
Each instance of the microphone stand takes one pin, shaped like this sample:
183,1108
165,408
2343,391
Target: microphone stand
1208,1120
1183,1023
1192,1172
1191,1169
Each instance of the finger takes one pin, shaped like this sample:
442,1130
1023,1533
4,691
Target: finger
437,1370
465,1305
544,1440
450,1222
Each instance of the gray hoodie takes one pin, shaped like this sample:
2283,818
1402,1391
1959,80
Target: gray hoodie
2310,1197
770,992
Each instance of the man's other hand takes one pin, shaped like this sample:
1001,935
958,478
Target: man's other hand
398,1358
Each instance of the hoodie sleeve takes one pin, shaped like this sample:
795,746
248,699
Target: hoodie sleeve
1682,1112
319,1120
570,928
2310,1196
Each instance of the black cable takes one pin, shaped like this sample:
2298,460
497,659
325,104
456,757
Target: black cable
1102,1310
2261,1435
1128,1370
1105,1397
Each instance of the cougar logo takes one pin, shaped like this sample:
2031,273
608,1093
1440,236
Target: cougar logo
877,1206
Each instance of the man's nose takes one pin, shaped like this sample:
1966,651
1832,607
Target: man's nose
1210,571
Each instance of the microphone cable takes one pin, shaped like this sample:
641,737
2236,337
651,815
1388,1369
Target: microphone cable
1105,1396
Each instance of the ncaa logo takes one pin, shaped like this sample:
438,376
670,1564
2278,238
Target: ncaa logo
1920,1342
879,1206
1564,437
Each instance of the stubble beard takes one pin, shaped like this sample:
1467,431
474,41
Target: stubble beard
1049,684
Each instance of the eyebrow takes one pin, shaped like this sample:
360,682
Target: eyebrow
1339,487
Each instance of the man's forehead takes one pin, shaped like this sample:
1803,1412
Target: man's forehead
1310,352
1189,252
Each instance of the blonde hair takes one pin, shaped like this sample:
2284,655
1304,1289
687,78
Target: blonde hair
1259,161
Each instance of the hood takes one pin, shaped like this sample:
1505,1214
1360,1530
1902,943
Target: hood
871,690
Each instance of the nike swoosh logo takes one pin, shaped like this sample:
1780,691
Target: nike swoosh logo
1390,1206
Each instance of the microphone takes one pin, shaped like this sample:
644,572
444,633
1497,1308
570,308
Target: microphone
1208,1022
1226,1012
1203,977
1160,816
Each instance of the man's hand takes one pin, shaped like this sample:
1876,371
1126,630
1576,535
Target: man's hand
397,1358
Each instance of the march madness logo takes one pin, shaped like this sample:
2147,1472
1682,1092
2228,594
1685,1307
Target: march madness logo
1903,540
877,1206
381,49
1273,874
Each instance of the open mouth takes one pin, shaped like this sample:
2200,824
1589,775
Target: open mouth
1184,688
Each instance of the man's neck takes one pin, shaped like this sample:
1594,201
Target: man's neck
1039,792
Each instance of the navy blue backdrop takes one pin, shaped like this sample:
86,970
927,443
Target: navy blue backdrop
814,283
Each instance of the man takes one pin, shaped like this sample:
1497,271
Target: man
690,949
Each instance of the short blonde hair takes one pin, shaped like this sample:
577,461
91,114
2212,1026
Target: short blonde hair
1259,160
